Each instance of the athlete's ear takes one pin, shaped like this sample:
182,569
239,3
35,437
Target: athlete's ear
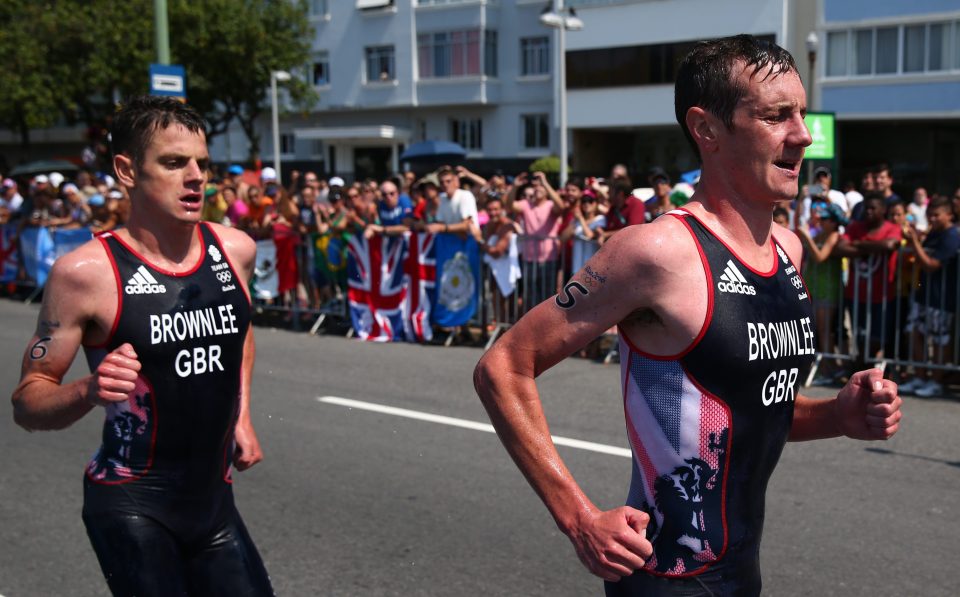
125,169
702,126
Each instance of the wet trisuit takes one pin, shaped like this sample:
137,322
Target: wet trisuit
158,503
707,426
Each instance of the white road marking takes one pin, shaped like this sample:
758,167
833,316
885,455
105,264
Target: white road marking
466,424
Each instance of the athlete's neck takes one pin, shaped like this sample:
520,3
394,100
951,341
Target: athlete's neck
745,226
172,246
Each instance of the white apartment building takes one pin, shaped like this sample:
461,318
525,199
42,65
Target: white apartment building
483,73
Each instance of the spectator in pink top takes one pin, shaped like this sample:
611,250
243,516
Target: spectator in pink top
541,210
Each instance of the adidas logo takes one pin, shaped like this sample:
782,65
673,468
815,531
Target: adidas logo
143,282
731,280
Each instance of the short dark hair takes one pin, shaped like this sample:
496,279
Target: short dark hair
576,181
705,77
621,185
139,117
938,201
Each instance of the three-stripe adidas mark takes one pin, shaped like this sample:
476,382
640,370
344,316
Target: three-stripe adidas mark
731,280
143,282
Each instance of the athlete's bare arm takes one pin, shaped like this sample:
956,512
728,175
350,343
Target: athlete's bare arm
242,252
868,407
79,305
633,278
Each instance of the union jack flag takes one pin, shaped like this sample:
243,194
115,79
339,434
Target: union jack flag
421,268
392,286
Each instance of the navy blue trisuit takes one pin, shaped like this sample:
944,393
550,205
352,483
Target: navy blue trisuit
158,499
707,426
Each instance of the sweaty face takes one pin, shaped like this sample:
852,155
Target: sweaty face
763,151
170,179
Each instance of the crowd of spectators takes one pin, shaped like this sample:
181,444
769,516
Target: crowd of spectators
534,235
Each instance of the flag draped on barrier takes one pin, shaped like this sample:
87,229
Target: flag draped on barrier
8,253
376,286
393,285
265,279
41,247
458,277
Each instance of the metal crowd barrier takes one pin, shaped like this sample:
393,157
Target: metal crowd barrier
881,314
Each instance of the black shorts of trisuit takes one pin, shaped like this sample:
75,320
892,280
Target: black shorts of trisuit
140,556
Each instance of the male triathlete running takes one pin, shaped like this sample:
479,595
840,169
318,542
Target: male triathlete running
715,335
162,311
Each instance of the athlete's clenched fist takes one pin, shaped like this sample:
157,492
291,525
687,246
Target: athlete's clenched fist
115,377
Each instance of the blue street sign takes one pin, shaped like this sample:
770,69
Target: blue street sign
169,80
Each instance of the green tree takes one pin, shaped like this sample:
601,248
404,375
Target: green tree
229,48
29,90
71,58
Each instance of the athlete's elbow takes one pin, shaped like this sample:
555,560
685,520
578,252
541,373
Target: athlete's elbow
22,416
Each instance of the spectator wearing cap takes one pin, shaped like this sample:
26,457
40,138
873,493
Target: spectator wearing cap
660,203
214,205
41,182
823,273
821,190
56,179
425,211
585,229
101,217
78,211
11,200
268,175
234,178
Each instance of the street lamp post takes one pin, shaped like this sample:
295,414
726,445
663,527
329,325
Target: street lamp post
812,42
562,23
276,75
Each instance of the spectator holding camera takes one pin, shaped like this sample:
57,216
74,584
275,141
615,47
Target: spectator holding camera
541,209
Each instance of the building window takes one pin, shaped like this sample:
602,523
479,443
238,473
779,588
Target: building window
628,66
864,52
901,49
888,47
320,70
836,53
287,143
380,64
468,132
318,8
447,54
534,56
938,53
536,131
317,148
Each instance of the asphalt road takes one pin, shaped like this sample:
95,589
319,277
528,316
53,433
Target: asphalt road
354,502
